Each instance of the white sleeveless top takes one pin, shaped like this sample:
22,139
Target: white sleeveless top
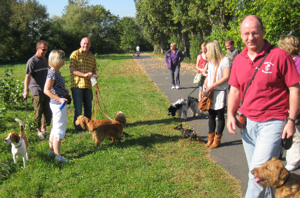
220,92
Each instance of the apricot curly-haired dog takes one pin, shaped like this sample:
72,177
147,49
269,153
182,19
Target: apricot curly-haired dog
273,173
111,130
120,117
19,144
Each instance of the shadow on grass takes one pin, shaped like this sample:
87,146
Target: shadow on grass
145,141
151,122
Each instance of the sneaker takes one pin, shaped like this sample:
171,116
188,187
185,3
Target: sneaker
173,87
177,87
61,159
291,167
51,153
41,135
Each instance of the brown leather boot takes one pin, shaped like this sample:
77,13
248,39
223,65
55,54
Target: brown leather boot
217,141
210,139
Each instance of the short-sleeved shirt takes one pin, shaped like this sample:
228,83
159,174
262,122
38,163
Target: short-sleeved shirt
232,54
58,87
37,68
268,96
297,63
220,92
83,63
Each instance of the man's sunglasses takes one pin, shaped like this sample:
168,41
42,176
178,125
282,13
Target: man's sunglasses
44,50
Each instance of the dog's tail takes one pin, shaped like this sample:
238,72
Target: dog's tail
21,127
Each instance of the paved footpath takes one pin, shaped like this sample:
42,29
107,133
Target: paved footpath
230,155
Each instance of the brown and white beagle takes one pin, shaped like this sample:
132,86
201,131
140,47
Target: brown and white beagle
19,144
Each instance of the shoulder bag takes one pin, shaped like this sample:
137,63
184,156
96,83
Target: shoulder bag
239,117
207,98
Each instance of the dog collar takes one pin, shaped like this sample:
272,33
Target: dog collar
288,177
19,145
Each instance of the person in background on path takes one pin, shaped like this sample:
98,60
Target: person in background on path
173,58
55,89
291,45
219,65
201,66
36,73
232,52
270,104
82,68
138,50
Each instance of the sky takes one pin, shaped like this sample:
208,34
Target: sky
119,8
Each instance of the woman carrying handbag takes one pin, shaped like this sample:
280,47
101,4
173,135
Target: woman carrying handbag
217,81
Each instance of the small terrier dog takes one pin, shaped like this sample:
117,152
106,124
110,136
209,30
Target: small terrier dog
19,144
188,133
182,105
273,173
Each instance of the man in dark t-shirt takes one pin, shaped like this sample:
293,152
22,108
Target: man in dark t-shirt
36,73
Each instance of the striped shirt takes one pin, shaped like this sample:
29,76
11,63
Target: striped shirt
58,87
83,63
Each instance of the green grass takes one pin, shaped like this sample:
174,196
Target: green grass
152,162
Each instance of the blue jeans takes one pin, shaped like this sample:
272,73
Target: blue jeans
261,141
85,97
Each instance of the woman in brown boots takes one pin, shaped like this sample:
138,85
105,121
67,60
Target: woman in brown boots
217,81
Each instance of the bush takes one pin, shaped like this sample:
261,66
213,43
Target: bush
6,168
3,108
195,49
11,90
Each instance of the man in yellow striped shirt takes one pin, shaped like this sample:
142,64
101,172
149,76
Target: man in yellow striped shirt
82,68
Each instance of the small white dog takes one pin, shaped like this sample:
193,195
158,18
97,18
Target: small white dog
19,144
182,105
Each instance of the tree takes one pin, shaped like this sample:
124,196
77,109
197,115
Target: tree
23,21
92,21
153,16
129,34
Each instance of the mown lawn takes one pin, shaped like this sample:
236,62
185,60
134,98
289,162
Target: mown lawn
152,162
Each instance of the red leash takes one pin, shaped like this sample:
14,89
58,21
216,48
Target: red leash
97,102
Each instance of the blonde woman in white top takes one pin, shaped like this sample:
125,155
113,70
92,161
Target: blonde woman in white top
217,61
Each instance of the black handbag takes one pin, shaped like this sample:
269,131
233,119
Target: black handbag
69,98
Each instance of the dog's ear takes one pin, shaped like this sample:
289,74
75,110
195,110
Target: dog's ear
14,137
283,175
178,106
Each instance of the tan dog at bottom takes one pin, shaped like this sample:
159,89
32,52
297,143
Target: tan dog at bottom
84,122
273,173
111,131
19,144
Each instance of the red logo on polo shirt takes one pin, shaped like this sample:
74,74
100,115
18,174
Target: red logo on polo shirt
267,67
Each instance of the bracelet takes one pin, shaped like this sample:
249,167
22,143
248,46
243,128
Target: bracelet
291,119
25,89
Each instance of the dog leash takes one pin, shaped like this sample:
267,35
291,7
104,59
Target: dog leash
25,112
193,90
97,102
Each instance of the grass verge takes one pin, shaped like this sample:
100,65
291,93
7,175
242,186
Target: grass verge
152,162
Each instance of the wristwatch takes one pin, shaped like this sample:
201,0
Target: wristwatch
293,120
